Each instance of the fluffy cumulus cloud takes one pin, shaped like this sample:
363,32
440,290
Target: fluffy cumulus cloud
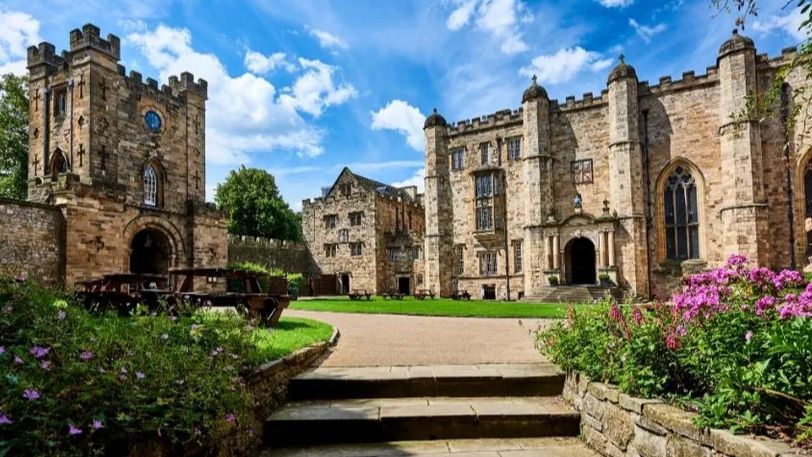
316,89
326,39
262,64
616,3
404,118
788,23
245,113
564,65
17,31
646,32
501,19
418,180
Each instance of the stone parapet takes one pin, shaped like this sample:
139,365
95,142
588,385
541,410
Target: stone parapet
615,424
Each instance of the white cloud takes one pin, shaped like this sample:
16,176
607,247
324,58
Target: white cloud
315,90
647,32
262,64
403,117
789,23
17,31
326,39
498,18
358,167
615,3
244,113
132,25
418,180
564,65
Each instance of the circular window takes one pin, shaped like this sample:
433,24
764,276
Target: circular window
153,121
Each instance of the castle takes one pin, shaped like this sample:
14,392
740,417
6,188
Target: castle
116,170
633,188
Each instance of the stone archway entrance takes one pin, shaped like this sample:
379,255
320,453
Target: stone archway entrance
150,252
580,257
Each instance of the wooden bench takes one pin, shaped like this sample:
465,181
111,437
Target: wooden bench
461,294
358,294
421,294
393,294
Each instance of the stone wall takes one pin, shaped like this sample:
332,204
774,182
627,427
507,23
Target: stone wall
285,255
615,424
32,241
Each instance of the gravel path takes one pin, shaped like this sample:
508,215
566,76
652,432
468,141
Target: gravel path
384,339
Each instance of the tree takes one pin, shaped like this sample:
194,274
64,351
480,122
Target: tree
13,136
255,207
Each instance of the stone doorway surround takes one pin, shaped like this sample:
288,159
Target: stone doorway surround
345,283
580,261
600,231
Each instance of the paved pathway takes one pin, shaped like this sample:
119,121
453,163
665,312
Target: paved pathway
385,340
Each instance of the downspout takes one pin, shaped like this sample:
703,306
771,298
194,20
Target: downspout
785,100
46,144
648,200
70,123
504,220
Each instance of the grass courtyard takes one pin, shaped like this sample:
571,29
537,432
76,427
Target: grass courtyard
435,307
290,334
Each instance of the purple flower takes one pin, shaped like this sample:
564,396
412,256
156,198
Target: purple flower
38,351
748,335
230,417
736,260
61,315
614,313
672,342
74,430
637,315
18,360
31,394
8,309
45,365
140,375
2,349
5,420
97,424
681,330
86,355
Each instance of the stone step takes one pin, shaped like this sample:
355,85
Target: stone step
430,418
428,381
518,447
574,294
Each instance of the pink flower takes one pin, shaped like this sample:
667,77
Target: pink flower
86,355
5,420
230,417
97,424
637,315
38,351
736,260
74,430
614,313
2,349
45,365
681,330
748,335
18,360
672,342
31,394
139,375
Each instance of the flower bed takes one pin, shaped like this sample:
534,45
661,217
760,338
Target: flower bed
76,384
735,346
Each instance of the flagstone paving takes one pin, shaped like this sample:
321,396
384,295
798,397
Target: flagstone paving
385,340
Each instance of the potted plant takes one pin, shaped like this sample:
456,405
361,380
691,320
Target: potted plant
605,280
553,280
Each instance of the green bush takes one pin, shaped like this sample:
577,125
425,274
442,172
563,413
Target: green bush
75,384
736,345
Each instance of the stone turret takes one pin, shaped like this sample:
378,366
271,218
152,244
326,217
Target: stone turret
537,172
744,211
437,200
626,178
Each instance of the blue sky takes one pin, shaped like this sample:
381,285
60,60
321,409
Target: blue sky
304,88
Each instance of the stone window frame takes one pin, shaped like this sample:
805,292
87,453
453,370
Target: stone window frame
682,219
484,153
58,163
459,259
801,203
582,171
343,235
395,255
458,158
659,207
345,189
60,100
356,249
330,250
514,147
485,191
518,256
157,169
488,263
330,221
355,217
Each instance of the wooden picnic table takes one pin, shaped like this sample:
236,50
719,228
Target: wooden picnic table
393,294
358,294
421,294
122,292
461,294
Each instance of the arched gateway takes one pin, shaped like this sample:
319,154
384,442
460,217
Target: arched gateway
150,252
580,261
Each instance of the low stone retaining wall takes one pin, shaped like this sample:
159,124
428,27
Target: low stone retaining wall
615,424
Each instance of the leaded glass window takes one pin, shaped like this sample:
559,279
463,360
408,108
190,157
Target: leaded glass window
150,186
681,215
514,147
457,158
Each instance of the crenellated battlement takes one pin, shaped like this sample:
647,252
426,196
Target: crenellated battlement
90,37
499,118
44,53
588,100
176,86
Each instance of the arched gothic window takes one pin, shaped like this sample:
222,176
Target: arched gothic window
681,215
151,186
59,163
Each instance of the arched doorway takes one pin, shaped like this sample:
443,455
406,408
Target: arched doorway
150,252
345,283
580,255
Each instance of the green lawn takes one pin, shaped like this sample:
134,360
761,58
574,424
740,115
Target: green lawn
436,307
290,334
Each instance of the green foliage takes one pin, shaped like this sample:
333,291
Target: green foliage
294,279
255,207
13,136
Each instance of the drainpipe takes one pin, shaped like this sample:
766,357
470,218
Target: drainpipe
785,101
70,123
505,222
648,199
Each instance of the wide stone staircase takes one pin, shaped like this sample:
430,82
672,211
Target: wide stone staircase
574,294
476,410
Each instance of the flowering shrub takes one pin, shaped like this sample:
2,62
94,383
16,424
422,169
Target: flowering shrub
74,384
736,345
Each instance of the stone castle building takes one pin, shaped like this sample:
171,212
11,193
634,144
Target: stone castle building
116,170
638,185
367,233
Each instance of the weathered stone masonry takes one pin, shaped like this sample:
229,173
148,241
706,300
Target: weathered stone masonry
34,245
622,155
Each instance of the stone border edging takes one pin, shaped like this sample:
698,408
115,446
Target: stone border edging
616,424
